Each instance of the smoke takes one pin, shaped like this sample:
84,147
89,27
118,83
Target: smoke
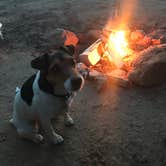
127,11
122,15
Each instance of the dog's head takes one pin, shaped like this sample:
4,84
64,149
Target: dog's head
59,67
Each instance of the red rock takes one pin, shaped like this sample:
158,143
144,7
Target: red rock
59,37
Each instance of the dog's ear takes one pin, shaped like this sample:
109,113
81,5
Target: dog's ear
70,49
41,62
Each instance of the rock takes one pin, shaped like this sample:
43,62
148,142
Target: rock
70,38
149,67
59,37
94,34
89,36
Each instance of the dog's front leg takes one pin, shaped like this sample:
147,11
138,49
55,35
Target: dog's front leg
52,135
68,120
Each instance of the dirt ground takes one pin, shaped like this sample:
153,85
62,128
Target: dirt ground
117,127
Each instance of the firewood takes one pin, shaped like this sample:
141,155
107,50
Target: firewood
92,54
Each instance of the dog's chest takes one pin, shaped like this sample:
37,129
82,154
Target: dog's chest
50,105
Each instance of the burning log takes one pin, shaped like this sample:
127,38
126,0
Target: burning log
116,77
93,54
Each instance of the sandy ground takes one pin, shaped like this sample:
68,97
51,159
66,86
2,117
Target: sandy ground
118,127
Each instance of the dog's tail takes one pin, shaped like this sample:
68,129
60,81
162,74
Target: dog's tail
17,89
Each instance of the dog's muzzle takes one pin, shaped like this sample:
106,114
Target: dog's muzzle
74,83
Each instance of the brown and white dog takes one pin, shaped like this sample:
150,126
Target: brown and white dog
47,94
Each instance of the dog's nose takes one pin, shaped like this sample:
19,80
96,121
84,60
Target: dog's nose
76,83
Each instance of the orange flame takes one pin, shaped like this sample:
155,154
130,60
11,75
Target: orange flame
118,44
118,47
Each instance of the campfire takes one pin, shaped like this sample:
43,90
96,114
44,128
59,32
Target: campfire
116,52
112,56
126,54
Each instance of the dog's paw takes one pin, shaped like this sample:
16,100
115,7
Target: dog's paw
58,139
69,121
